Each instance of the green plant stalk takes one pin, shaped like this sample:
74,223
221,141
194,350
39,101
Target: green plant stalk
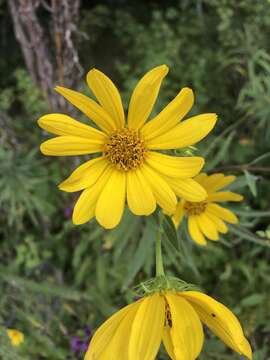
159,260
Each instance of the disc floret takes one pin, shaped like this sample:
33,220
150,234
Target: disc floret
125,149
195,208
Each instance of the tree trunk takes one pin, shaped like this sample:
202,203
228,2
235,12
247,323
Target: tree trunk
45,32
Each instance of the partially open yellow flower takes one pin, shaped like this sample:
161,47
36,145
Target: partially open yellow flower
136,331
128,167
16,337
206,218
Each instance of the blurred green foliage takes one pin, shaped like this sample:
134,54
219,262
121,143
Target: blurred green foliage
57,279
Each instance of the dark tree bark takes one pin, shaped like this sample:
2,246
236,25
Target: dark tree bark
45,32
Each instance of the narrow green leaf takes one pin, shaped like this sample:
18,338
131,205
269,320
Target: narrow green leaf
170,231
45,288
145,244
253,300
248,236
221,154
123,233
252,213
101,273
251,181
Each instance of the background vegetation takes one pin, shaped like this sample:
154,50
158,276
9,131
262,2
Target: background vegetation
58,282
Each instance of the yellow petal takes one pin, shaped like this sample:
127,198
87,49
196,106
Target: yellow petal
170,116
186,331
144,96
85,206
208,181
179,213
105,333
220,320
61,124
162,192
218,181
108,96
224,196
194,230
118,348
223,213
147,328
85,175
176,167
111,202
187,133
141,200
71,145
89,107
221,226
167,341
187,189
207,226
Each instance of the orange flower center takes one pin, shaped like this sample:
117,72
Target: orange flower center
194,208
125,149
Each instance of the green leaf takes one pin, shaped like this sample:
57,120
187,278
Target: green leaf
101,273
170,231
123,233
221,154
245,234
253,300
252,213
44,287
145,244
251,181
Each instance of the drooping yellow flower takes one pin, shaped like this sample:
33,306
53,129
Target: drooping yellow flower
16,337
176,318
206,218
128,167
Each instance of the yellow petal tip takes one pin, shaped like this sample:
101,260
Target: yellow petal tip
165,68
40,121
240,197
202,162
187,89
245,349
43,149
76,221
93,71
59,89
63,186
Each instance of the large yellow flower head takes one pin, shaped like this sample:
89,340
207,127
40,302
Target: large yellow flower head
128,167
176,318
206,218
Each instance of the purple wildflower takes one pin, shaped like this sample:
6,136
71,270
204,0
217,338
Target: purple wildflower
67,212
76,344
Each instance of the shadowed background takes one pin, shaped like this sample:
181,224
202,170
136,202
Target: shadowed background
58,282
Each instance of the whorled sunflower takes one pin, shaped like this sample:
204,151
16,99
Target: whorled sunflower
206,218
136,331
128,167
16,337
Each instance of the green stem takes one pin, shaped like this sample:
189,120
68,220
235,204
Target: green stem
159,260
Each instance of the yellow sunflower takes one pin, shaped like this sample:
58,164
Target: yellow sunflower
136,331
127,166
16,337
206,218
